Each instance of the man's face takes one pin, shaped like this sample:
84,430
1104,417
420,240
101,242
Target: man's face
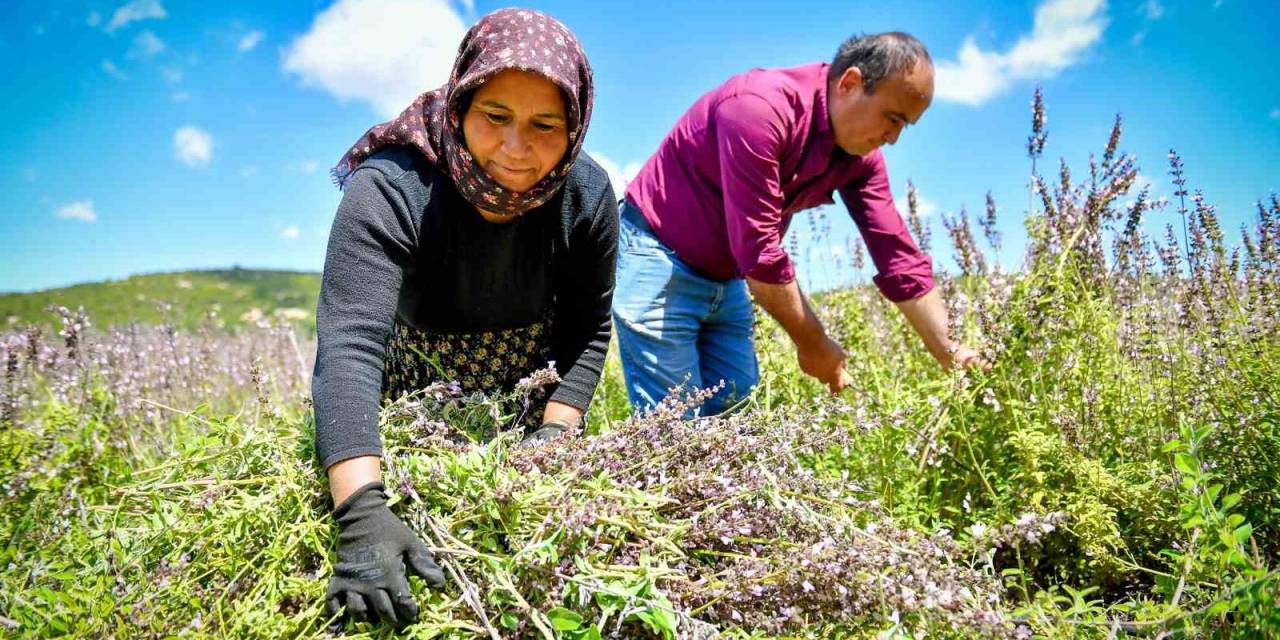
863,121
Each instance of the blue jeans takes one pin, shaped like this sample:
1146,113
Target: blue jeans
677,327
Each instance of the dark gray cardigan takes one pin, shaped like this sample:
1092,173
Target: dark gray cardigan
406,246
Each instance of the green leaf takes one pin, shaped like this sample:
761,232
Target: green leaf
509,620
1213,492
563,619
1242,533
1185,463
1230,501
664,621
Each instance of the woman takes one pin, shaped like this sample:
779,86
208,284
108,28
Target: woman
470,224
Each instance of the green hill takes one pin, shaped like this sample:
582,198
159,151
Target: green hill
229,298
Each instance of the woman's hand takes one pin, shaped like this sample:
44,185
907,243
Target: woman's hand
557,418
374,549
546,433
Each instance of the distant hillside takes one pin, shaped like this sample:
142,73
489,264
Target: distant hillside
229,298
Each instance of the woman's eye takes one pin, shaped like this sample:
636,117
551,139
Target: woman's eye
543,126
495,118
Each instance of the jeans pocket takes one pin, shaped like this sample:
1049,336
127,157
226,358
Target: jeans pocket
637,239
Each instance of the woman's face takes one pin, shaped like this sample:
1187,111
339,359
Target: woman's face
517,128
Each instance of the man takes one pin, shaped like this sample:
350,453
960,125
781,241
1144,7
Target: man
703,220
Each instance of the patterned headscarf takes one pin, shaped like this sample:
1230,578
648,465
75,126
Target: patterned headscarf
521,39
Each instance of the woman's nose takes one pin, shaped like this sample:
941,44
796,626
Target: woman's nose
514,143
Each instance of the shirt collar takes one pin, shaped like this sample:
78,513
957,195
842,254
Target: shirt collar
821,114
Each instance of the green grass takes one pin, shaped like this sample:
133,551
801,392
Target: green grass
227,299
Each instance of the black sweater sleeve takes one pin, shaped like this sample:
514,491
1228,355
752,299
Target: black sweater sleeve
583,301
369,254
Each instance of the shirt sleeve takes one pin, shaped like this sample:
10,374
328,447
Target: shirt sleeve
903,271
369,251
751,135
583,320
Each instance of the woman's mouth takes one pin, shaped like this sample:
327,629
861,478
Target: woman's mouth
511,171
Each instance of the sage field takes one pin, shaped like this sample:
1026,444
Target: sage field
1116,474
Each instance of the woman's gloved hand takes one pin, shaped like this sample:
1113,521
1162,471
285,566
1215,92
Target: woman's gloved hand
374,548
546,433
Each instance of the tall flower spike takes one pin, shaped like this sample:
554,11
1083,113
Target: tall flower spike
1109,155
918,228
1035,143
988,223
1180,181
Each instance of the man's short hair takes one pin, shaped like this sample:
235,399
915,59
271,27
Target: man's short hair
877,56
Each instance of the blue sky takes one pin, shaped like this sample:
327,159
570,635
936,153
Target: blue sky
153,135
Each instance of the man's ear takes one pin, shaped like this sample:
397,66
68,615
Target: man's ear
850,81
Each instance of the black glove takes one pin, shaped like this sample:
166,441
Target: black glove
546,433
373,549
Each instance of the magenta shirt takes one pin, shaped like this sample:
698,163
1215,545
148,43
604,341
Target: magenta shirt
724,183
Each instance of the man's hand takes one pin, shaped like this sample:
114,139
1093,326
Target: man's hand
374,547
965,358
824,360
819,355
928,316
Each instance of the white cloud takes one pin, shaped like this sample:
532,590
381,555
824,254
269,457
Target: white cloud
1151,9
180,96
619,176
290,232
924,206
112,70
382,52
631,170
1275,114
248,171
94,19
1143,180
145,45
975,78
79,210
305,167
192,146
249,40
135,11
172,75
1062,31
